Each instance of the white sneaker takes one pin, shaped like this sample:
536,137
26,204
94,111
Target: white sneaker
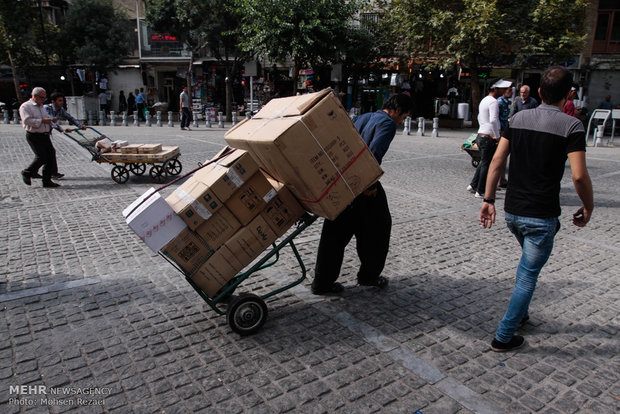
478,195
471,189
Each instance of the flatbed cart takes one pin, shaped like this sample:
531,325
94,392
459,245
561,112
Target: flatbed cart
163,163
471,148
247,312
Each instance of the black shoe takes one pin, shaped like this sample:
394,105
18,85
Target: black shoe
517,341
335,289
50,184
58,176
26,177
36,175
524,321
381,282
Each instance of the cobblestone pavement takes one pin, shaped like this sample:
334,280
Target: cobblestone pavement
88,312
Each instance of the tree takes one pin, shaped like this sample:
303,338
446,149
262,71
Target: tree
16,38
483,33
307,32
96,35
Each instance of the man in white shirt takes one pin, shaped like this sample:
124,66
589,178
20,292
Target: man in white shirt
186,107
488,135
38,124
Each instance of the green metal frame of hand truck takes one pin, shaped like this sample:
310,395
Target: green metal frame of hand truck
246,313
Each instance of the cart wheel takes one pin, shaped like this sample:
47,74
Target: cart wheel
475,162
158,174
246,314
173,167
120,174
137,168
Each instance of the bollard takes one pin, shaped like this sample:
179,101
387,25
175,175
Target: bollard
7,118
407,126
170,121
598,135
435,132
125,118
112,118
220,119
16,119
420,127
136,119
147,116
248,115
234,118
208,123
158,116
195,118
102,118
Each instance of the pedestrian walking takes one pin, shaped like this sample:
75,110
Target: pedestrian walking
122,102
525,101
103,102
538,141
37,124
140,103
56,110
131,103
569,107
488,135
186,109
368,217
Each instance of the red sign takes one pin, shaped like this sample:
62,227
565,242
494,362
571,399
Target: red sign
163,38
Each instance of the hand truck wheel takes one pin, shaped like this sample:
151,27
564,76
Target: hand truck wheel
158,174
120,174
246,314
173,167
137,168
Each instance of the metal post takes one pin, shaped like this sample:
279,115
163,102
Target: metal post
435,132
234,118
248,114
136,119
16,119
208,123
220,119
170,121
195,118
125,118
158,116
148,118
112,118
251,95
7,117
407,126
420,127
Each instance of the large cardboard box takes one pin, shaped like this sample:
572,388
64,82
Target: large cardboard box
251,198
216,272
250,241
283,210
188,251
153,220
228,174
309,143
149,148
194,202
219,228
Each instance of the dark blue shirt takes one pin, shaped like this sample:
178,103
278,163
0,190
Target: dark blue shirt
377,130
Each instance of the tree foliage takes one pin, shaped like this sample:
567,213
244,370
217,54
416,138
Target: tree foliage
306,32
95,34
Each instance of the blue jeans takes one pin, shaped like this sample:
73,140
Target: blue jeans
535,235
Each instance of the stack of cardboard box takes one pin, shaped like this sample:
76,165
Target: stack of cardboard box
229,213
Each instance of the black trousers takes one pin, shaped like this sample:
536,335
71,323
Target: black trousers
44,155
186,117
368,219
487,148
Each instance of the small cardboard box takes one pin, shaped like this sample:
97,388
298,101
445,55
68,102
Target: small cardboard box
251,198
249,242
130,149
219,228
309,143
188,251
153,220
283,210
228,174
194,202
149,148
216,272
239,161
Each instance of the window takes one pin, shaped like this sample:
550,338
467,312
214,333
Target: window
607,30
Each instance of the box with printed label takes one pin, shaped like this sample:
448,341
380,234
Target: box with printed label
188,251
251,198
194,202
310,144
283,210
241,162
219,228
228,174
149,148
216,272
250,241
130,149
153,220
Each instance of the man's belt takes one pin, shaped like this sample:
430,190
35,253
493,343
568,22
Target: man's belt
488,136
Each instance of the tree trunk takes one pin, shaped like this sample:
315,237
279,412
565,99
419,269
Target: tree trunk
475,95
229,91
18,94
295,76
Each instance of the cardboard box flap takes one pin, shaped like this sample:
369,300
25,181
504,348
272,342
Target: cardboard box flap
291,106
258,130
